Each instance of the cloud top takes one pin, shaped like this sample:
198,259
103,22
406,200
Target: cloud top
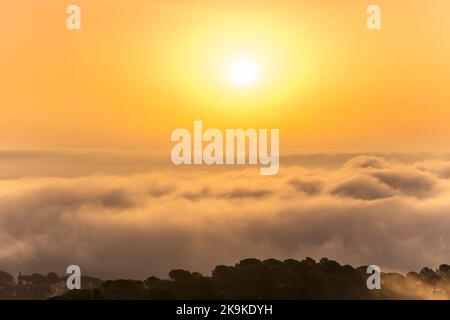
366,210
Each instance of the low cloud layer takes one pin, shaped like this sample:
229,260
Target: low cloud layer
365,210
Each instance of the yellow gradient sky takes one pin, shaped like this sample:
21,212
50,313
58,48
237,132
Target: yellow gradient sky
139,69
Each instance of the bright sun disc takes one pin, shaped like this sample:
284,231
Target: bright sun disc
243,72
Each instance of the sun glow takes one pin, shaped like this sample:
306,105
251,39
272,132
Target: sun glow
243,71
229,65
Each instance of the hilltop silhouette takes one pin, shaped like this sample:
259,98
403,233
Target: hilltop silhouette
249,279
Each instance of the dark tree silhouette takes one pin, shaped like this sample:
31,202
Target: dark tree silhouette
248,279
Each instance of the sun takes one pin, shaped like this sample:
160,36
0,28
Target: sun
243,71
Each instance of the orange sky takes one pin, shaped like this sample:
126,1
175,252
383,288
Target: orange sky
139,69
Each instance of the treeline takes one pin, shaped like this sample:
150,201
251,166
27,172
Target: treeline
37,286
268,279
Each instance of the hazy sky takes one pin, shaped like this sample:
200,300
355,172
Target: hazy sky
139,69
